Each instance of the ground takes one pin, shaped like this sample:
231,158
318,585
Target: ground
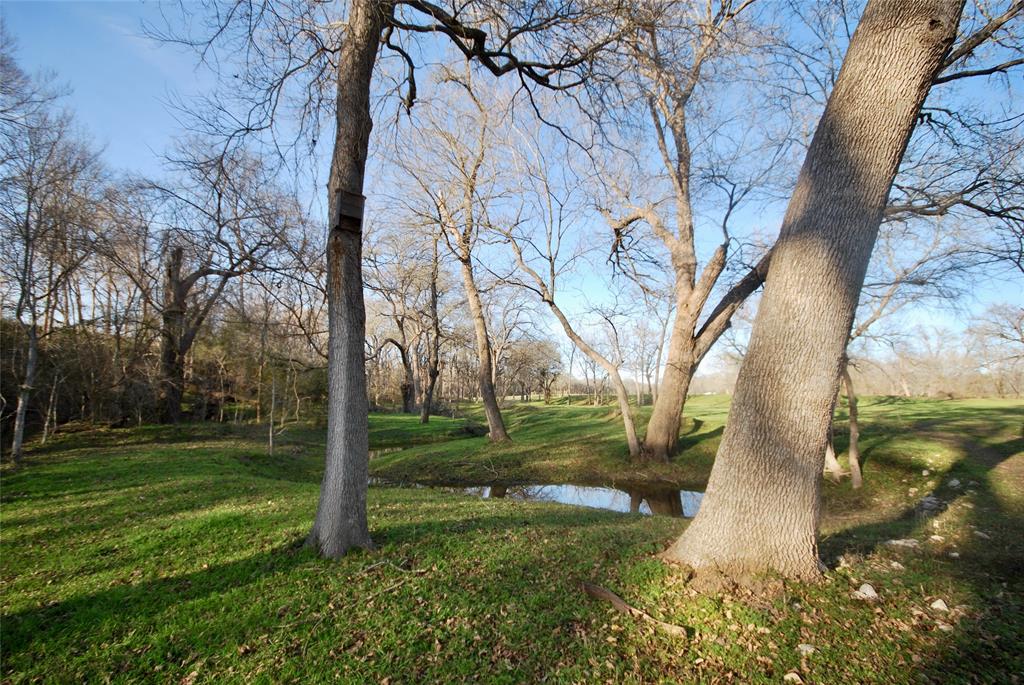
174,555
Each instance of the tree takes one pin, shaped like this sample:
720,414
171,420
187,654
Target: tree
760,511
545,257
452,171
676,55
49,180
221,216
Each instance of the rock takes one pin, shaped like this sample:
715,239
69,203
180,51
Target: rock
954,555
926,473
792,677
912,491
897,566
929,506
865,592
937,538
982,535
939,605
906,543
945,627
805,649
953,483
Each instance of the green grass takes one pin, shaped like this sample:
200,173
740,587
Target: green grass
173,555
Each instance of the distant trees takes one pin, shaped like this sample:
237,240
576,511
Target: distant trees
761,508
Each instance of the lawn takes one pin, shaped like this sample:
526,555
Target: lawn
174,555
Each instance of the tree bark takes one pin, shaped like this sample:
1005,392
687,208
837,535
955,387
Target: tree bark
172,367
25,394
340,522
406,387
495,423
854,451
663,428
761,508
433,341
833,468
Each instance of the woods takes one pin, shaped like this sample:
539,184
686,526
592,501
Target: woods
504,248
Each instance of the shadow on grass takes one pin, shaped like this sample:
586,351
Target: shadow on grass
986,645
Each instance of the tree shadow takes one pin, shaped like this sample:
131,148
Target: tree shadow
985,645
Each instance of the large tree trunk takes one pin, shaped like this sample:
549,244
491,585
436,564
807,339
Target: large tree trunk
495,423
340,522
25,394
172,365
762,504
854,451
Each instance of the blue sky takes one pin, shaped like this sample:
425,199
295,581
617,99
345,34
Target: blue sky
120,80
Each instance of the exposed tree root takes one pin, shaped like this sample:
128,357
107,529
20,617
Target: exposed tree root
621,605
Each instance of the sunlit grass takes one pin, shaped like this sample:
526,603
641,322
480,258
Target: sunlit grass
174,555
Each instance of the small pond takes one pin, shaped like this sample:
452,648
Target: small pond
644,500
649,501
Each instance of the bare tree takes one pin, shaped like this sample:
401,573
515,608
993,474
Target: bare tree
544,254
49,181
761,508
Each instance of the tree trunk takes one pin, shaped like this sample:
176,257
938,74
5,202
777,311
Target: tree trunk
340,522
270,422
25,394
854,451
407,386
433,342
761,508
483,352
172,367
50,422
663,428
832,465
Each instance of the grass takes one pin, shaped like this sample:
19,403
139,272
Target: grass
174,555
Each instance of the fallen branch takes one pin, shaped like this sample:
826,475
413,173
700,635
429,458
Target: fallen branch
621,605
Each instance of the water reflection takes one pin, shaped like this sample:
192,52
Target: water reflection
649,501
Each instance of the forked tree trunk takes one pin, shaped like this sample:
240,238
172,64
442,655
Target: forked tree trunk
495,423
340,522
25,394
761,508
854,451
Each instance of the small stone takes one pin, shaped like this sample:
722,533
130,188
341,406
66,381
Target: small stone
953,483
945,627
897,565
912,491
937,538
939,605
865,592
792,677
926,473
983,536
954,555
906,543
805,649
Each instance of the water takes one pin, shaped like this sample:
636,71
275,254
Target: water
644,500
649,501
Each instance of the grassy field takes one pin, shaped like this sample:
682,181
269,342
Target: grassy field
174,555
